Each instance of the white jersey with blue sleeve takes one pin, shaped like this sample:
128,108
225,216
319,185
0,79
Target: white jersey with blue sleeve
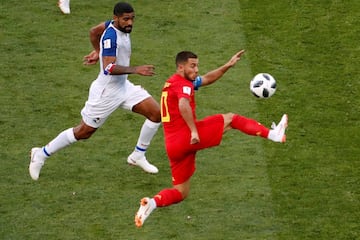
110,92
117,44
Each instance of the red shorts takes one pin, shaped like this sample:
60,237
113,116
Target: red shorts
182,154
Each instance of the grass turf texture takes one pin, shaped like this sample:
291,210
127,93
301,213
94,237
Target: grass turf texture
248,188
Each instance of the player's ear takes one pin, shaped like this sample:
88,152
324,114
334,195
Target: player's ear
180,67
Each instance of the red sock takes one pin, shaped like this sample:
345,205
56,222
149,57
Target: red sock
168,197
249,126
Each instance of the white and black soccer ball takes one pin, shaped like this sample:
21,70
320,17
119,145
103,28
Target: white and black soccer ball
263,85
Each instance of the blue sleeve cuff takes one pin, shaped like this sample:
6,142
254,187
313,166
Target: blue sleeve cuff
197,82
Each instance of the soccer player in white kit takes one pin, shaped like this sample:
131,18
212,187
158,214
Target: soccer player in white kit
111,90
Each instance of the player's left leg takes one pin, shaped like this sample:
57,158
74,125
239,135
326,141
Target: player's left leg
150,109
252,127
142,103
38,156
210,130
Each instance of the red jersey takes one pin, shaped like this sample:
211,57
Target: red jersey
177,133
176,87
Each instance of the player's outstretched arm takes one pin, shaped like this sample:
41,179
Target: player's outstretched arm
112,69
234,59
216,74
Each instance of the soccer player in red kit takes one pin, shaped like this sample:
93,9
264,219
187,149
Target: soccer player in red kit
185,135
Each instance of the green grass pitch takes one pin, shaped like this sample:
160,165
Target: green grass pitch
248,188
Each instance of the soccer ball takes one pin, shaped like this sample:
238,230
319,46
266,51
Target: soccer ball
263,85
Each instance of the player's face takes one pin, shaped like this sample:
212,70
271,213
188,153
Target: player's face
191,69
125,22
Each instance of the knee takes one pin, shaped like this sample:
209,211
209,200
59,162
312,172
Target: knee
184,194
155,116
228,117
82,136
81,132
184,190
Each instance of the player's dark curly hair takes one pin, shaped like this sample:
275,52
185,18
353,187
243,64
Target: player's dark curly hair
183,56
121,8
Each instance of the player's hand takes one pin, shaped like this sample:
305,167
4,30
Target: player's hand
236,58
92,58
145,70
194,138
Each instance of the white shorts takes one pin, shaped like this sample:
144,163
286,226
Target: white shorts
98,107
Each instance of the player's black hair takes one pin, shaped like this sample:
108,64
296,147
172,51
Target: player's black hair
122,7
183,56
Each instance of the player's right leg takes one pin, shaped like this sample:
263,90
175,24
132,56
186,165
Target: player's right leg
39,155
181,172
94,115
164,198
67,137
37,160
147,205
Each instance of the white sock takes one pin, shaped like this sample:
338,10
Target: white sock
64,139
152,203
272,135
275,135
147,133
